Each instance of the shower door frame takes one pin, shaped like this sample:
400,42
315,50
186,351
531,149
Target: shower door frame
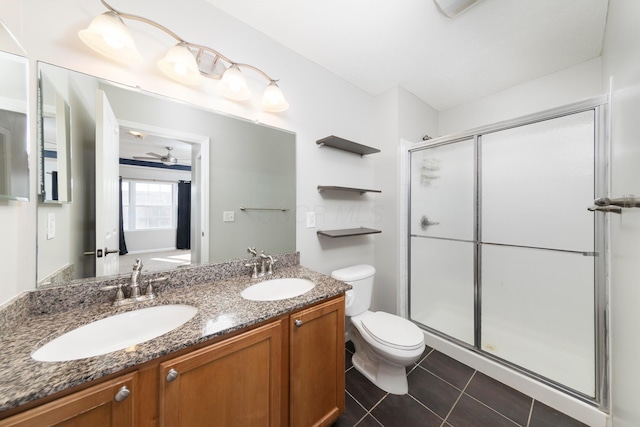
600,107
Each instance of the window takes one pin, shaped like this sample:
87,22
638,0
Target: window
149,205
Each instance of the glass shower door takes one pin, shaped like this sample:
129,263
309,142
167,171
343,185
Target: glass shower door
442,239
537,254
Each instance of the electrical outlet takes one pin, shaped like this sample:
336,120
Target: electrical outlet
311,219
228,216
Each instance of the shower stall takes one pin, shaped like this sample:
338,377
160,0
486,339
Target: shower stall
505,257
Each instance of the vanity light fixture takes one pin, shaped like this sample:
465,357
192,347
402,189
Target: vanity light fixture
185,62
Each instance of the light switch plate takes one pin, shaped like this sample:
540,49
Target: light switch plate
228,216
311,219
51,225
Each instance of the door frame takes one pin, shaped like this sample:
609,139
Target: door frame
200,184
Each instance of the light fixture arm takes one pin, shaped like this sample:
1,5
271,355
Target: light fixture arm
181,40
145,20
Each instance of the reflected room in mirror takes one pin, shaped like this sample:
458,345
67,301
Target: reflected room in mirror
160,180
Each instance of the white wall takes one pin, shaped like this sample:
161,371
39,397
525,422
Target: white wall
321,104
554,90
400,115
621,60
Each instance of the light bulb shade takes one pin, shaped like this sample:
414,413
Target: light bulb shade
180,65
233,85
273,99
108,36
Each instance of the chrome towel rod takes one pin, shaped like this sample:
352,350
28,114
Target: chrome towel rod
242,208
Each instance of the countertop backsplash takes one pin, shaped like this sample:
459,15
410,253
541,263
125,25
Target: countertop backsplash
87,292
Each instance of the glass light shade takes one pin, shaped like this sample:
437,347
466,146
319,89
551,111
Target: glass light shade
233,85
180,65
273,99
108,36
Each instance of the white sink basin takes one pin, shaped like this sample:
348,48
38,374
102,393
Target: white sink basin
277,289
115,333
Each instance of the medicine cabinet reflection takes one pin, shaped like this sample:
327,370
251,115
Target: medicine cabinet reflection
55,143
14,168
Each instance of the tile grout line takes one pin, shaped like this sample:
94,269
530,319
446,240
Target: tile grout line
440,378
530,412
367,411
458,399
423,405
356,400
492,409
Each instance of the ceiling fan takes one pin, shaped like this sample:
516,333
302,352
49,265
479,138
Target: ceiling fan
168,159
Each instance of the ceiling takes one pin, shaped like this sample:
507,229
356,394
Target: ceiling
131,147
379,45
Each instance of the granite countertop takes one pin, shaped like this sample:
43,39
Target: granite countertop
221,310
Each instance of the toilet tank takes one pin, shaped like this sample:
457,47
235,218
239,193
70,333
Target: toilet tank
360,277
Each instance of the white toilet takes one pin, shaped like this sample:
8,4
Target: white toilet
385,343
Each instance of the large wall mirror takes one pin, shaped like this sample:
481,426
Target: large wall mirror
154,178
14,164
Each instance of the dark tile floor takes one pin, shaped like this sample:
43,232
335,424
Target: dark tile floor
443,393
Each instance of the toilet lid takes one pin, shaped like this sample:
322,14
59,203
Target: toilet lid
393,331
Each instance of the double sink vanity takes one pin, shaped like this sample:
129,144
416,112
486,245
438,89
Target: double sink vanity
215,347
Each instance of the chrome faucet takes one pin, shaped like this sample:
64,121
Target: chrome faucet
266,257
266,263
135,275
134,295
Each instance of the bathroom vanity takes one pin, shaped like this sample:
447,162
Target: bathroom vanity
237,362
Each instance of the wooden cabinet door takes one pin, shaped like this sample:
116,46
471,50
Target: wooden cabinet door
103,405
317,364
235,382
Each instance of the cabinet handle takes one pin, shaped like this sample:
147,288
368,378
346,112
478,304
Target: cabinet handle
298,323
172,375
122,394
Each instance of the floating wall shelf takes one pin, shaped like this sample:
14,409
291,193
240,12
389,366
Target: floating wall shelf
346,145
348,232
322,188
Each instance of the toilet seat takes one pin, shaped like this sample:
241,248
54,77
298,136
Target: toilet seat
393,331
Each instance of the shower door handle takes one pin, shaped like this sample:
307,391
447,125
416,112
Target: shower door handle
626,201
605,209
426,223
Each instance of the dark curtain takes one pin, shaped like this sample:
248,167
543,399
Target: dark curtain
123,244
183,240
54,185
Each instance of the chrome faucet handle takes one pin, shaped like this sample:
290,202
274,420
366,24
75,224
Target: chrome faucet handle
254,271
150,293
119,297
252,251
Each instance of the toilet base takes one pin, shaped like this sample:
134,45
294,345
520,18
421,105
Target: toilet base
390,378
